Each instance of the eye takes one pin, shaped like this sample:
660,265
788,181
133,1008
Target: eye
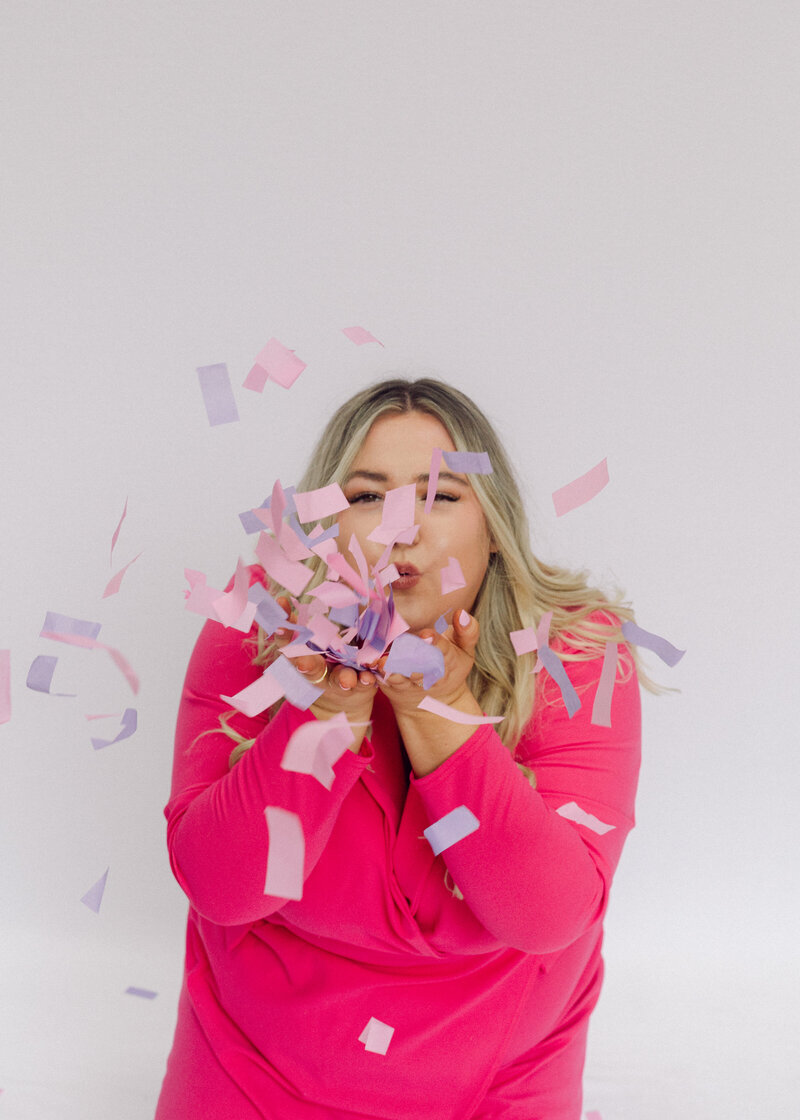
442,497
366,497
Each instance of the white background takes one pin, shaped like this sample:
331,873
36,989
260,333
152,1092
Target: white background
583,214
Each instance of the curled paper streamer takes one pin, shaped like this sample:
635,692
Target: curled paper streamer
376,1036
94,895
452,576
359,335
468,462
581,490
429,704
286,855
277,363
555,668
5,685
76,633
451,828
601,710
143,993
125,732
215,385
668,653
316,746
573,812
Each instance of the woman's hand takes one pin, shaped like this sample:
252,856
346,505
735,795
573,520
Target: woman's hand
457,645
344,689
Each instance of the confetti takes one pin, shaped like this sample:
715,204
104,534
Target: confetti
277,363
451,828
113,585
468,462
668,653
433,478
127,729
313,505
555,668
376,1036
581,490
397,514
143,993
573,812
601,710
116,531
233,608
410,654
452,577
359,335
286,854
291,574
316,746
429,704
40,675
94,895
215,385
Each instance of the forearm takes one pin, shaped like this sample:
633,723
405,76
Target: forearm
429,739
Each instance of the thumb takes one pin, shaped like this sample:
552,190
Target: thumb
466,630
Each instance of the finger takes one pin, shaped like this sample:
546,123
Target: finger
466,631
311,666
346,679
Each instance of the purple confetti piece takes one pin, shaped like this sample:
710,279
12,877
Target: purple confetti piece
468,462
440,625
409,654
143,993
94,895
40,675
668,653
269,615
297,690
451,828
555,668
252,523
215,385
55,623
128,727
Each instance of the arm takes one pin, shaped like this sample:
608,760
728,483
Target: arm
534,879
216,829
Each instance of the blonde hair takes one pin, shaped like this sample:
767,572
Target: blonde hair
518,588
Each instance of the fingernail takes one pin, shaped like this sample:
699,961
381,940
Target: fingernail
345,687
429,641
464,619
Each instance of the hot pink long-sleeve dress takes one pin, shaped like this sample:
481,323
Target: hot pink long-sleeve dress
488,996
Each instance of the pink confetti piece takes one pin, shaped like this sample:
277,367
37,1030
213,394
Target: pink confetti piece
200,597
452,577
437,708
360,336
128,727
103,715
405,536
143,993
601,710
291,574
399,505
316,746
55,623
555,667
357,553
433,478
215,385
388,575
532,638
668,653
233,608
581,490
573,812
376,1036
114,584
115,536
339,564
335,595
256,697
40,675
277,363
451,828
313,505
286,857
94,895
593,1115
5,685
468,462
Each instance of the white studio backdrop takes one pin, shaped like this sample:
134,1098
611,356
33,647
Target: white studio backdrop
583,215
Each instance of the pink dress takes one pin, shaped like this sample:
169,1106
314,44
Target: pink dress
489,996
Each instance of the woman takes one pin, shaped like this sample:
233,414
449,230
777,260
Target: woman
406,983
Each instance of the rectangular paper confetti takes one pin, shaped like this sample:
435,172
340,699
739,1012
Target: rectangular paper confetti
360,336
55,623
376,1036
215,385
581,490
286,854
125,732
555,668
291,574
277,363
428,704
399,506
300,692
5,685
410,654
433,478
256,697
115,535
316,746
313,505
143,993
452,576
668,653
601,710
451,828
573,812
468,462
40,675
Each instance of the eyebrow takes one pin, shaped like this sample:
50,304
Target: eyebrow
378,476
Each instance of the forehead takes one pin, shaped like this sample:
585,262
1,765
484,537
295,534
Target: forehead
404,438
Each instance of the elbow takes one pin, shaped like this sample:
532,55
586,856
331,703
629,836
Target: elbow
551,924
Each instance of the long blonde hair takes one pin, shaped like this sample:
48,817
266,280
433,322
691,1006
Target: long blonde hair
518,588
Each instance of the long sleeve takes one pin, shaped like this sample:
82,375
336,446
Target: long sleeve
537,870
216,827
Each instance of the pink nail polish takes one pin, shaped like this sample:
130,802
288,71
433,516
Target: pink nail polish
428,641
464,618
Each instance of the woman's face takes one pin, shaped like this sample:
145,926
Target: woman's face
397,452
